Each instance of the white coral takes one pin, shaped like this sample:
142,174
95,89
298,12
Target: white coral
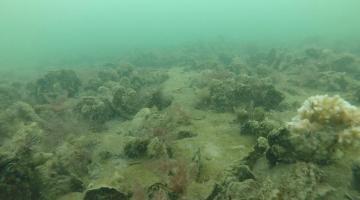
326,110
331,113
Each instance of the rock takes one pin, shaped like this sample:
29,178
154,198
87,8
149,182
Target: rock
242,173
105,193
55,85
256,128
136,148
157,149
18,179
160,191
356,174
126,102
185,134
258,151
94,109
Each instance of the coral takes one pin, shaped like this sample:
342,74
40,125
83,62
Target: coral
54,85
324,112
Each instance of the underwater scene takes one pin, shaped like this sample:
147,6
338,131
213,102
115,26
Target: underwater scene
179,100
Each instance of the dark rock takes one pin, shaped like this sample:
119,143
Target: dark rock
159,99
257,128
95,109
126,102
287,147
161,191
258,151
185,134
19,179
356,174
242,173
105,193
280,147
55,85
136,148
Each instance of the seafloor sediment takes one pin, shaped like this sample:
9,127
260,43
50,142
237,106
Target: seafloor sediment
192,123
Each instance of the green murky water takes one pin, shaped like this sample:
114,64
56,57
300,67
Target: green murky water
179,100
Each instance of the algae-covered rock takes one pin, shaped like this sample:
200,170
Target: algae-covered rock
55,85
228,93
287,147
108,75
160,191
182,134
264,95
280,147
59,184
345,63
8,95
22,111
301,181
242,173
257,152
323,126
257,128
158,98
105,193
356,175
136,148
126,102
19,179
95,109
17,116
250,113
157,149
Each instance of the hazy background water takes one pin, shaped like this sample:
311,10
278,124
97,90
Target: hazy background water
37,32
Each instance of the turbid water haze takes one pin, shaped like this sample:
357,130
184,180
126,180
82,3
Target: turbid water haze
35,31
